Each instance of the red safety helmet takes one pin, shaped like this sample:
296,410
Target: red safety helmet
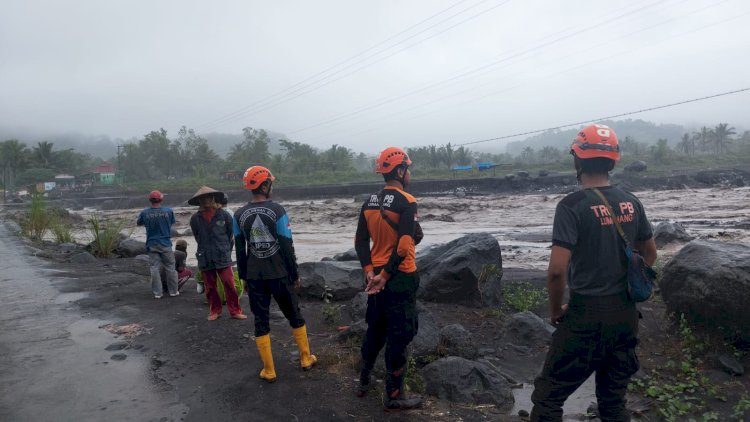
255,176
596,141
155,195
390,158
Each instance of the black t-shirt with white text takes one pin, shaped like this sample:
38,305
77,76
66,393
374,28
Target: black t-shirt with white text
582,224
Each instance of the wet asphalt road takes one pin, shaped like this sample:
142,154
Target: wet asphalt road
53,365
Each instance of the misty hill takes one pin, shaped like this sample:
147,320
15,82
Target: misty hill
639,130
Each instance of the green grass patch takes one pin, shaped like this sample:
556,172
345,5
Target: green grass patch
37,221
521,297
106,235
62,232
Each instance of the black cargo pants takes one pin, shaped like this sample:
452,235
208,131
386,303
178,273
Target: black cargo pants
260,293
391,321
597,334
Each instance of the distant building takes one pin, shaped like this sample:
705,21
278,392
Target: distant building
105,173
65,181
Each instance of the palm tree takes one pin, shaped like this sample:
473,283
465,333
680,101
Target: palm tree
704,139
42,154
13,158
687,144
723,136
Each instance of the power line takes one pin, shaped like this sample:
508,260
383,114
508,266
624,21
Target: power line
472,72
598,119
599,59
302,84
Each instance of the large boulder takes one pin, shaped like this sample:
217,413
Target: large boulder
82,258
455,340
130,247
425,343
709,282
451,273
358,306
636,166
528,330
341,279
666,233
350,255
464,381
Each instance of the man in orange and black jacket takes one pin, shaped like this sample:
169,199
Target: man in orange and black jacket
389,220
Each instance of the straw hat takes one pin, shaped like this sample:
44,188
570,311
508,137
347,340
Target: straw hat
204,190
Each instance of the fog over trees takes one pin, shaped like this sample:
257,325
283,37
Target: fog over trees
187,155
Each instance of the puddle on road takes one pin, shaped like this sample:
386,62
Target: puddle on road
575,407
64,298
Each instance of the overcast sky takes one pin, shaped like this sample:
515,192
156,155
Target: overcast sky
367,74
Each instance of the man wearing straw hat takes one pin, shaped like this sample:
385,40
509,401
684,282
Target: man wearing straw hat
212,228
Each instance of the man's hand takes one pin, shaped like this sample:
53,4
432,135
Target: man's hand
555,315
297,284
375,285
369,276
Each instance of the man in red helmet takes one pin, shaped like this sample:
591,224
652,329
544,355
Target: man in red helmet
597,329
158,221
389,221
267,262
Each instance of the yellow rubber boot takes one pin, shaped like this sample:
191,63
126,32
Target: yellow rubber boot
268,372
306,360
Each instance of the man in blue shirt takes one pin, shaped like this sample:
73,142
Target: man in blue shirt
158,221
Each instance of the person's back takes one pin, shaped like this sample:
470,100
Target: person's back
389,221
597,329
158,221
268,265
264,228
583,224
395,229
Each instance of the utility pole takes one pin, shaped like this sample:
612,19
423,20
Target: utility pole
119,169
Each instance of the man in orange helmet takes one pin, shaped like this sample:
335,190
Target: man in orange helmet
267,263
389,220
597,329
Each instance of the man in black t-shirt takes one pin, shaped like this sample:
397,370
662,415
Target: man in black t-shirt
597,330
268,264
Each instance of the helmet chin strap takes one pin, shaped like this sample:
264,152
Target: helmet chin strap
579,168
267,193
402,179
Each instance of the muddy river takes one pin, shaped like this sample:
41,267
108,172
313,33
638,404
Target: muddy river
521,223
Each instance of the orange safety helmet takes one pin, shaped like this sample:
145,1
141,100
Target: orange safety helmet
596,141
255,176
389,159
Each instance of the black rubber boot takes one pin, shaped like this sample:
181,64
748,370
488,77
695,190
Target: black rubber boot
395,400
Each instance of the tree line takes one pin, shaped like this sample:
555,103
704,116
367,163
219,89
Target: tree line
22,165
157,156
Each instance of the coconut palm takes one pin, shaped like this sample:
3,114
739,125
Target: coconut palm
42,155
13,156
723,136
